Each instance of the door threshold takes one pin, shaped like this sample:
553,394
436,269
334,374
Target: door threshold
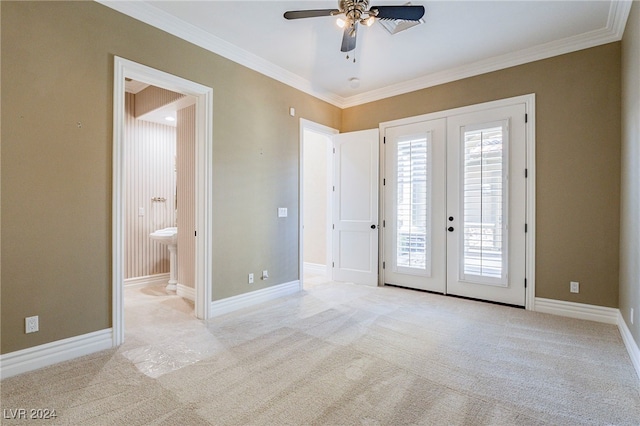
509,305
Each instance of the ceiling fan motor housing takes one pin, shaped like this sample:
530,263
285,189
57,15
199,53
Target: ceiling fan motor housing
355,10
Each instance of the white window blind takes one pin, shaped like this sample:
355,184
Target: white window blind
484,204
413,206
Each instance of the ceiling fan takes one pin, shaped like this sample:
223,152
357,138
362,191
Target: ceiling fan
355,12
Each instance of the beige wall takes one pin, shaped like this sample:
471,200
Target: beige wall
316,181
630,197
577,160
57,71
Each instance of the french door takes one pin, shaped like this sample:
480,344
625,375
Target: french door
415,156
455,205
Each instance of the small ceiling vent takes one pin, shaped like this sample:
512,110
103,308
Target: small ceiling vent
397,25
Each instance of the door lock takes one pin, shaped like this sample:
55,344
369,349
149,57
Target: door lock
450,229
373,226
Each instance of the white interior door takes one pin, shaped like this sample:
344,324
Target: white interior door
414,188
355,207
486,205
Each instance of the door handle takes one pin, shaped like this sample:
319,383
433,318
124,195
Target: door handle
450,229
373,226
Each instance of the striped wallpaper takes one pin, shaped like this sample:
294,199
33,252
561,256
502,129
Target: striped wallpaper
186,183
153,97
149,164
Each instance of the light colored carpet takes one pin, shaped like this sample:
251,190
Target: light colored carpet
342,354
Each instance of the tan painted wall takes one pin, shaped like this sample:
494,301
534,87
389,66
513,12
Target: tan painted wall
630,197
577,160
57,71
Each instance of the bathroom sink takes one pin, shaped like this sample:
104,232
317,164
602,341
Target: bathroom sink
169,237
166,236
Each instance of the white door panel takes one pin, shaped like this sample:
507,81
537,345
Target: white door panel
487,191
355,238
414,208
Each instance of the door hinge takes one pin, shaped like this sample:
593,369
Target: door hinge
525,283
526,228
334,150
383,265
526,118
195,233
384,182
333,226
384,139
334,188
333,264
384,223
526,173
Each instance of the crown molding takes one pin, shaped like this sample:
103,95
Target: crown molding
166,22
616,21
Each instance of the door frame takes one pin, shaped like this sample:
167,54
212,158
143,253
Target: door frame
530,151
124,68
329,132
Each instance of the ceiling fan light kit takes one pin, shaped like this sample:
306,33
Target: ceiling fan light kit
358,12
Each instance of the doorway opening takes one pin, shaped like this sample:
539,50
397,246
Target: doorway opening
202,232
316,201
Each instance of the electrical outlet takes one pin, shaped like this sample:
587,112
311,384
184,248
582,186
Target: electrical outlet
251,278
631,315
31,324
574,287
265,274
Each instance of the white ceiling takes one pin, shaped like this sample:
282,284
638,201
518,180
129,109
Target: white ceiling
459,39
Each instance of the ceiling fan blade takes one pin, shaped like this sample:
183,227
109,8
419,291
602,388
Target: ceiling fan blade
297,14
406,13
349,38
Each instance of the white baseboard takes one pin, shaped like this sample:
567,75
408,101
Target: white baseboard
576,310
315,269
230,304
30,359
593,313
630,343
186,292
148,280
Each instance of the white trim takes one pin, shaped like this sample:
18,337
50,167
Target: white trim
629,343
204,198
613,31
186,292
231,304
147,281
315,269
36,357
530,109
577,310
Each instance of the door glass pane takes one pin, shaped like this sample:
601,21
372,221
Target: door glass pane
484,191
413,206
